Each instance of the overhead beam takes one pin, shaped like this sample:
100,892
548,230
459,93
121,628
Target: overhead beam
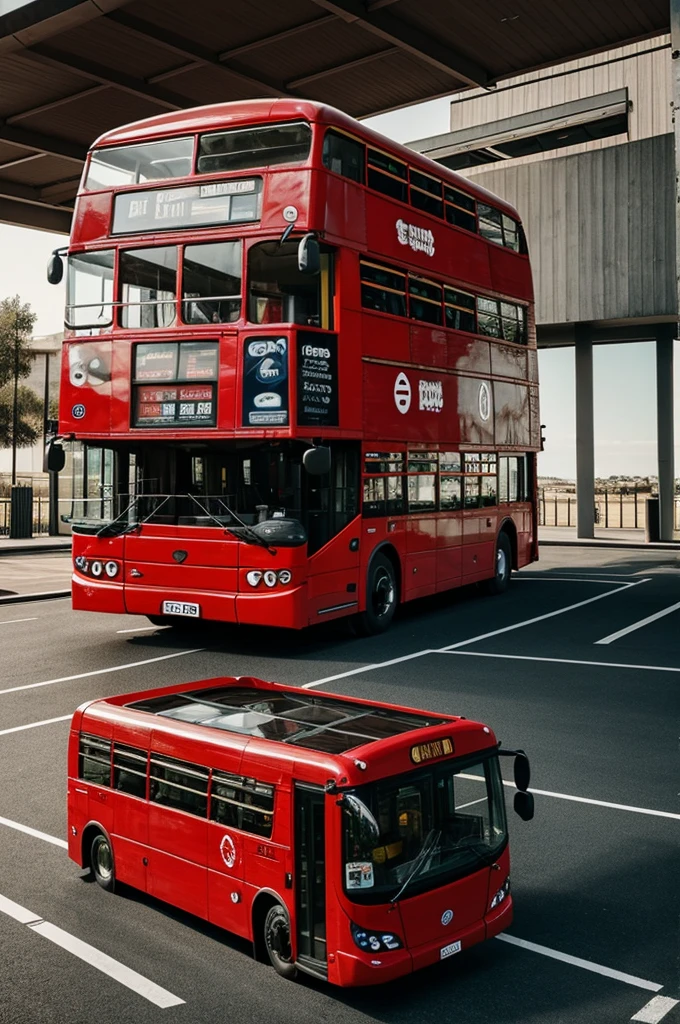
193,51
346,66
410,39
21,160
43,218
53,104
48,144
277,37
61,60
26,194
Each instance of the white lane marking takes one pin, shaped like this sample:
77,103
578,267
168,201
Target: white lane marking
91,955
365,668
33,832
34,725
639,624
8,622
471,804
561,661
565,579
583,799
542,618
141,629
103,671
462,643
576,961
655,1010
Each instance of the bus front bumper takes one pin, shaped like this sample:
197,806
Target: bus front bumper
285,608
362,969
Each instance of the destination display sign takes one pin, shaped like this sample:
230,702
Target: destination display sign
317,379
175,384
429,751
192,206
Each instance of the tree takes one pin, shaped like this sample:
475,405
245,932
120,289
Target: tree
16,359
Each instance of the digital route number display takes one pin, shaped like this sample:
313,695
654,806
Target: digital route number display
175,384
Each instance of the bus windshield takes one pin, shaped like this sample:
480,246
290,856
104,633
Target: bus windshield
409,833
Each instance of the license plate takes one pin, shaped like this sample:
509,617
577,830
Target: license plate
453,947
193,611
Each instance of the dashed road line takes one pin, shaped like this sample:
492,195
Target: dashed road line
639,624
34,725
9,622
90,955
577,961
103,671
559,661
18,827
655,1010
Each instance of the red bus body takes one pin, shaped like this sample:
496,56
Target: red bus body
414,361
150,773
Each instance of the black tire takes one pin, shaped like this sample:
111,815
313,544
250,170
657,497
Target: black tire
101,862
277,941
503,564
381,597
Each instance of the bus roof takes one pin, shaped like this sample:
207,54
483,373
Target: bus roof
222,116
320,727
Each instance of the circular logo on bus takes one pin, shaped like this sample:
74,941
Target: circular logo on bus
78,411
447,917
484,401
228,851
402,393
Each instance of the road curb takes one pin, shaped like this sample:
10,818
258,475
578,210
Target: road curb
624,544
33,549
44,596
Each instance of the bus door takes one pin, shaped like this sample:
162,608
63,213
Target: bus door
310,865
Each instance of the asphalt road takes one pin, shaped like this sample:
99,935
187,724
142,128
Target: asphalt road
594,874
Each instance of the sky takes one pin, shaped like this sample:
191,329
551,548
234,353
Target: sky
624,376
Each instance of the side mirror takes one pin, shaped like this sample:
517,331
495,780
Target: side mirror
55,458
55,268
522,771
524,805
309,255
317,461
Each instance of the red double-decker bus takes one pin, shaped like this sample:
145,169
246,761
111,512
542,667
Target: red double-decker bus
307,357
352,840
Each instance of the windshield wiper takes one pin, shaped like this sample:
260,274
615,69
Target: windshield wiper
241,531
428,848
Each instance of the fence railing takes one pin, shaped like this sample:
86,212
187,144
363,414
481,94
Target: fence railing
618,511
41,515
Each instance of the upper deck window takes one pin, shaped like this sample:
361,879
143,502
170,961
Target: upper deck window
344,156
147,279
254,147
129,165
212,283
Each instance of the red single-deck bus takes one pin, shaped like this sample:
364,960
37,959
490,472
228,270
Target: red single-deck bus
353,840
302,361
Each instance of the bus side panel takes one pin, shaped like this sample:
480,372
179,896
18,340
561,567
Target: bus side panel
229,903
449,552
179,878
479,543
420,563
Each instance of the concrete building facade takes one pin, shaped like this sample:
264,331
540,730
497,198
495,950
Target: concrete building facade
586,153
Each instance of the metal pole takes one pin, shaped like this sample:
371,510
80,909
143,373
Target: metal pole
585,443
15,404
664,427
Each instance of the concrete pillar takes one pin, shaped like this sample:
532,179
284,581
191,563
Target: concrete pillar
665,337
585,438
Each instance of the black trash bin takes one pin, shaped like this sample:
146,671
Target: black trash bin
652,529
21,513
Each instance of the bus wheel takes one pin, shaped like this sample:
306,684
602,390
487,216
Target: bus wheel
101,861
500,581
381,597
277,941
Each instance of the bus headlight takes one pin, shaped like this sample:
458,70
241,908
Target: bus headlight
270,578
285,576
253,577
374,942
97,569
111,569
501,894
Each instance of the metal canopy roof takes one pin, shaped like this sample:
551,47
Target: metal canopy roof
73,69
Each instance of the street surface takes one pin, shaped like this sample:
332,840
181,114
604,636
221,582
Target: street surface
579,664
